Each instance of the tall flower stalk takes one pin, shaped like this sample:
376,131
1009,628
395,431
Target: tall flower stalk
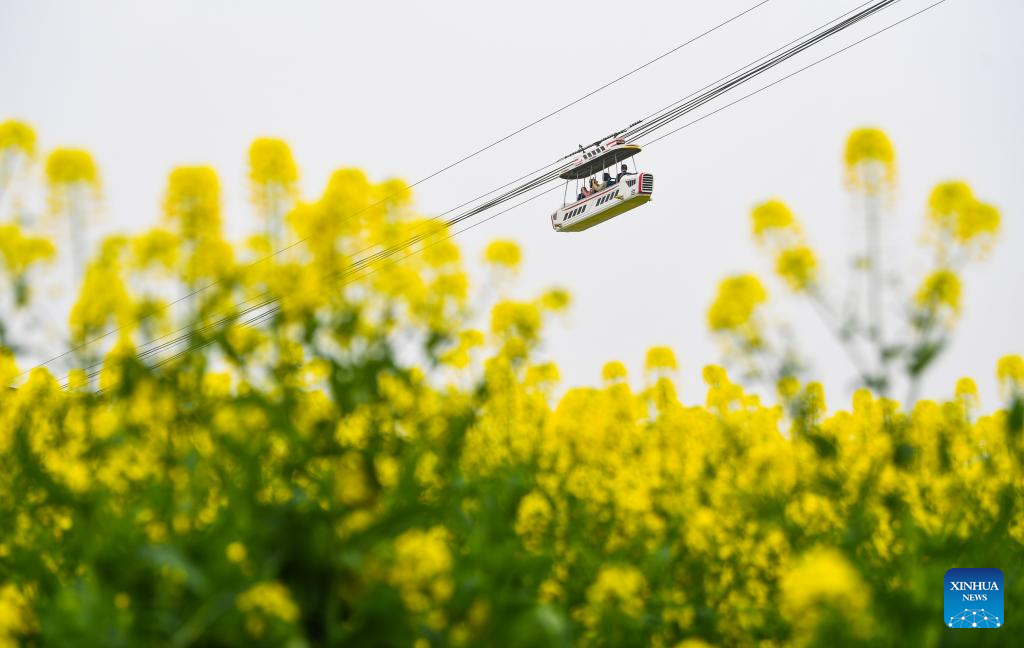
74,184
17,149
192,210
960,228
273,178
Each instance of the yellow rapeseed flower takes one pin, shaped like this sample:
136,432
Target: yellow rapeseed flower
192,201
814,399
17,136
17,143
870,160
269,599
613,371
738,297
441,252
967,393
8,372
543,376
940,289
771,216
236,552
958,217
787,387
422,568
948,198
271,161
798,267
660,357
977,220
823,582
16,618
155,247
1010,372
18,252
621,587
459,355
69,173
516,318
533,519
555,300
71,166
104,293
504,254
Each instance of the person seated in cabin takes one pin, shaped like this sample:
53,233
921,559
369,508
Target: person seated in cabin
607,179
595,186
581,195
623,172
585,193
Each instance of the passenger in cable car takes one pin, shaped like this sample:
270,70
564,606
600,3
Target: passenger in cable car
623,172
585,192
607,179
595,186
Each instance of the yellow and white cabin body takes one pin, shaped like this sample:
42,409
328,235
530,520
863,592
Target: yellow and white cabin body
624,192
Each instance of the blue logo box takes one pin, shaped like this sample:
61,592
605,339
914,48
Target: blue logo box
974,598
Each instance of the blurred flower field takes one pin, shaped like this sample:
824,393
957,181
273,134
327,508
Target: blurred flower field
366,468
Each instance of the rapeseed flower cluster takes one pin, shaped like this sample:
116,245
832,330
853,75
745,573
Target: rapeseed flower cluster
870,159
959,222
16,136
363,467
17,147
777,230
18,253
72,176
263,602
273,181
959,228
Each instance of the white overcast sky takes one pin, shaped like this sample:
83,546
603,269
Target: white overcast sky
402,88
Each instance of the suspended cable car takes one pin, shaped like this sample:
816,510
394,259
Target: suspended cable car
607,191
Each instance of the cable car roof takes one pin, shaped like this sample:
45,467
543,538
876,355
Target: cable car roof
600,158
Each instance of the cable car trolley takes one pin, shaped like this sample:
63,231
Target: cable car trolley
607,189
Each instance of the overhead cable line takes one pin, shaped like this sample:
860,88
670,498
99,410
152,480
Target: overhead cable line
796,72
429,176
649,126
538,182
261,317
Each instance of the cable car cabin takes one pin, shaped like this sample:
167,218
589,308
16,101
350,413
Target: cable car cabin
622,191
